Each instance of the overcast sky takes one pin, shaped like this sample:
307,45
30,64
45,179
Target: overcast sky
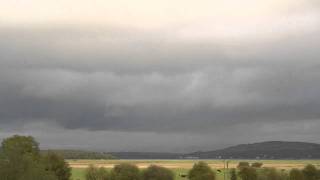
169,75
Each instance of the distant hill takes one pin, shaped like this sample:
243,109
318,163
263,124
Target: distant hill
79,154
264,150
146,155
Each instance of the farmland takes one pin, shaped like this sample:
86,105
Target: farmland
182,166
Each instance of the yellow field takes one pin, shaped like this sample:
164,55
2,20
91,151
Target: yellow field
187,164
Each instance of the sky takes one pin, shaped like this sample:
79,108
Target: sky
162,76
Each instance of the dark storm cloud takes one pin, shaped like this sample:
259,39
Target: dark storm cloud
126,80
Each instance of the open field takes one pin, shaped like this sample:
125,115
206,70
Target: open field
182,166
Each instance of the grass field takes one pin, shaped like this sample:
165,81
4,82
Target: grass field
182,166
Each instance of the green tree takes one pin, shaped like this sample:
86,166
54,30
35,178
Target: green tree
248,173
310,172
93,173
21,160
201,171
13,148
57,165
157,173
296,174
233,174
36,171
125,172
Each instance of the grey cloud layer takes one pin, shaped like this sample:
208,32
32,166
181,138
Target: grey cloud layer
126,80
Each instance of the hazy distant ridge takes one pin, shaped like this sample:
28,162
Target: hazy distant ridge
80,154
265,150
262,150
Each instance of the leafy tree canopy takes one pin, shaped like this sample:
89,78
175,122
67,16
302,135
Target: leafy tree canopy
201,171
157,173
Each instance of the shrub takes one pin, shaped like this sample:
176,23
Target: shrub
125,172
233,174
310,172
157,173
201,171
93,173
296,174
243,164
248,173
271,174
257,164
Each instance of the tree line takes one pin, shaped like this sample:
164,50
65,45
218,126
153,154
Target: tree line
200,171
256,172
21,159
78,154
